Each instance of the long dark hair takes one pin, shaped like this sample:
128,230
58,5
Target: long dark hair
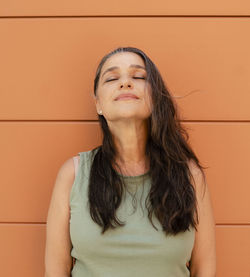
172,196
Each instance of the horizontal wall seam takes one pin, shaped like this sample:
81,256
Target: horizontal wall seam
217,224
121,16
96,121
20,223
232,224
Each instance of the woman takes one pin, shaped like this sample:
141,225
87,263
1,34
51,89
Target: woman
144,159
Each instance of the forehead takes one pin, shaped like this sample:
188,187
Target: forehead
124,59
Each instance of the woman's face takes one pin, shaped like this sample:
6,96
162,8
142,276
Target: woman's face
122,91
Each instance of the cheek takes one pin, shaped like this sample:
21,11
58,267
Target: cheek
106,91
104,99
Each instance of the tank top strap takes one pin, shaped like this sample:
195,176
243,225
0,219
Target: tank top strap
76,163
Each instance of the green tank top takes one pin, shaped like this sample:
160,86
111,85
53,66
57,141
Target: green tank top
137,249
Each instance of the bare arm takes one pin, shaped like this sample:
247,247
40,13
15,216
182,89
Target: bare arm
203,259
58,261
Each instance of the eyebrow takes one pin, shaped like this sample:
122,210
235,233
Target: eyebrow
116,67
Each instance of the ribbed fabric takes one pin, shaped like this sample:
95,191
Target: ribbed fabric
136,249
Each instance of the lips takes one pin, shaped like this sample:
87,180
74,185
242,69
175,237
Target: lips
126,96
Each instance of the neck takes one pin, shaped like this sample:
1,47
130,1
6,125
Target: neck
130,140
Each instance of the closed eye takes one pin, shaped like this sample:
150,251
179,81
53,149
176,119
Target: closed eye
139,78
110,80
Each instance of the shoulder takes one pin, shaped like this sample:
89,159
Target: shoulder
66,175
198,179
194,168
66,169
59,203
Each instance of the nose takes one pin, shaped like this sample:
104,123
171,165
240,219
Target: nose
126,84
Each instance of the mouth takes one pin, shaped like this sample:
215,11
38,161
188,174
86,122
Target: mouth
126,96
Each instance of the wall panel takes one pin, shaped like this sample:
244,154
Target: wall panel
48,65
111,7
31,155
224,148
233,251
22,250
35,151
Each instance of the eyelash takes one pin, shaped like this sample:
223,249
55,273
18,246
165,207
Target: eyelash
133,77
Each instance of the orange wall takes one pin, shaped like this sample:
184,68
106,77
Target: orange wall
48,55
